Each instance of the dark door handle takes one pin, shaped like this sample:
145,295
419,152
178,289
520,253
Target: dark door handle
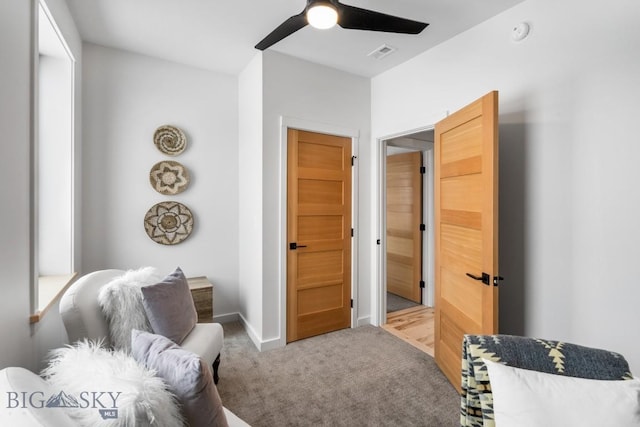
293,246
485,278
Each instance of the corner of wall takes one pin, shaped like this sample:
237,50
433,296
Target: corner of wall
250,140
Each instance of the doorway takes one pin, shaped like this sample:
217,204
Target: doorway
408,244
353,134
464,252
398,245
319,233
404,228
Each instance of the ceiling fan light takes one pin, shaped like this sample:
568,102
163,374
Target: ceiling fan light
322,16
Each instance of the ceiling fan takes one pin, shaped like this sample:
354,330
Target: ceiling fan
326,13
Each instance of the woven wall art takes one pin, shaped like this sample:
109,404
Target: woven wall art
169,178
168,223
170,140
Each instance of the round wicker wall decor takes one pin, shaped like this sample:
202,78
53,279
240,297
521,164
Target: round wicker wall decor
170,140
168,223
169,177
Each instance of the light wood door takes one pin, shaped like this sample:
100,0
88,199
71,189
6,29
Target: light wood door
404,216
319,234
466,229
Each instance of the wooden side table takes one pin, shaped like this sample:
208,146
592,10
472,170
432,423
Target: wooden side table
202,293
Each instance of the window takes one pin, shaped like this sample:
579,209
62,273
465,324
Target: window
53,163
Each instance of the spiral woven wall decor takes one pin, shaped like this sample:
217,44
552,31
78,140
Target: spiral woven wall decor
170,140
168,223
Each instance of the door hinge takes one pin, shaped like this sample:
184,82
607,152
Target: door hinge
423,227
352,232
378,242
352,303
423,169
353,160
422,284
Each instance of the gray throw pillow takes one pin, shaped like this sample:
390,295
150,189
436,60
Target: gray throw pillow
169,307
186,375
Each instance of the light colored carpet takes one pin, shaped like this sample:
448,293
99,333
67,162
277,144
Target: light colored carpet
354,377
397,303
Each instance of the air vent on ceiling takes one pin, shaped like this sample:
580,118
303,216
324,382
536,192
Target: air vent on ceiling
382,51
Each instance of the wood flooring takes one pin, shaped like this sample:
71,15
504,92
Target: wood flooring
413,325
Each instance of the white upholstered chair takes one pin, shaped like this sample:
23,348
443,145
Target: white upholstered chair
83,318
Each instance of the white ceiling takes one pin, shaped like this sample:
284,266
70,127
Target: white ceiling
220,35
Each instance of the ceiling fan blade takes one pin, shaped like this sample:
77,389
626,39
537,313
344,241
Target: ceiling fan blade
355,18
285,29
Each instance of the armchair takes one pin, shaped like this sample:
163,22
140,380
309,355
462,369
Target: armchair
83,318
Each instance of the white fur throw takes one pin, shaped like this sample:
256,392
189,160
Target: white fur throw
92,381
121,303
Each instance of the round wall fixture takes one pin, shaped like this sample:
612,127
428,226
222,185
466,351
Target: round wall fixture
520,31
170,140
168,223
169,177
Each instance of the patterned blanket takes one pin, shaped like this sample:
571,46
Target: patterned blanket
552,357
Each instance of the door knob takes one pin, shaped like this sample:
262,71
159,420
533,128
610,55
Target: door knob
293,246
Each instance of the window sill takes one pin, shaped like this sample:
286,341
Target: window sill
50,289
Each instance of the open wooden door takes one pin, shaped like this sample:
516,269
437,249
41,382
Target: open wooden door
404,216
466,229
319,234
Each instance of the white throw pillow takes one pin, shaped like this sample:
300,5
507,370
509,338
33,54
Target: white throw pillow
523,398
91,382
121,303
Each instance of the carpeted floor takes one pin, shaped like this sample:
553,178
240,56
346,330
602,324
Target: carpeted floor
354,377
397,303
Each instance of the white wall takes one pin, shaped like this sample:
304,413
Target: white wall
250,196
126,98
298,89
23,344
568,165
15,34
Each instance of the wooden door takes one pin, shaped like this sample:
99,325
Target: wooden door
404,216
319,234
466,229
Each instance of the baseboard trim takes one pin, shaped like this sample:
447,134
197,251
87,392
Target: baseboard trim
362,321
270,344
258,342
251,332
226,318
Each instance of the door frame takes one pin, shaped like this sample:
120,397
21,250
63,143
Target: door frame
312,126
379,262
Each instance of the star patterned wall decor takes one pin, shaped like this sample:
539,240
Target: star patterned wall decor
168,223
169,177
